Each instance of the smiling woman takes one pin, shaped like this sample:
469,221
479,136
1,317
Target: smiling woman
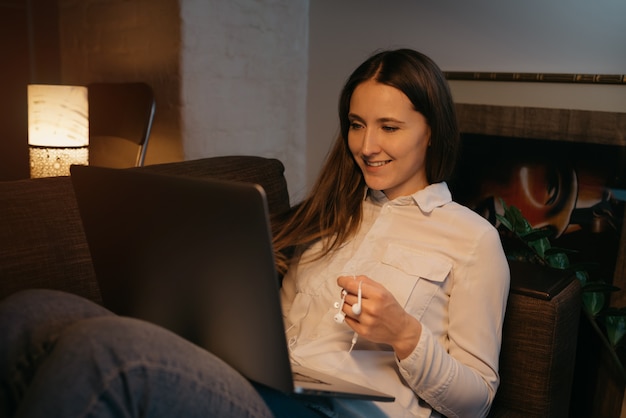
380,219
388,139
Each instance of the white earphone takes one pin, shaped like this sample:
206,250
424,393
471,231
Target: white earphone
340,315
356,308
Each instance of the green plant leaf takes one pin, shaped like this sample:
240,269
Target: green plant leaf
540,246
582,276
615,328
558,260
593,302
537,234
504,221
517,222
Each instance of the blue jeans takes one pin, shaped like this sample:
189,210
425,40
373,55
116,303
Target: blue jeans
64,356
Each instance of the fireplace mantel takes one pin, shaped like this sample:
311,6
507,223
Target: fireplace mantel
555,124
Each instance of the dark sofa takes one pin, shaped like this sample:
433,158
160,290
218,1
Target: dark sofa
42,245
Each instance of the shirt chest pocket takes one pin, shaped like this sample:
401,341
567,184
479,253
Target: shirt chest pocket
413,277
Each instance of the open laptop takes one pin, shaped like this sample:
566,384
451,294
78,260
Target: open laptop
195,256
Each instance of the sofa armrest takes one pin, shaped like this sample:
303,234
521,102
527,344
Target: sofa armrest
42,242
538,343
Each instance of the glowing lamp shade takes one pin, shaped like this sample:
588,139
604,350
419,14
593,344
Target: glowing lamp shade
58,129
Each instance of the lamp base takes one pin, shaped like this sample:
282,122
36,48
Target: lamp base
52,162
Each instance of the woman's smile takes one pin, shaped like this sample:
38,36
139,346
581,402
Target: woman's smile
376,163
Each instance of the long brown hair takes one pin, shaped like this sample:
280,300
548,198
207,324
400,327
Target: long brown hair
332,211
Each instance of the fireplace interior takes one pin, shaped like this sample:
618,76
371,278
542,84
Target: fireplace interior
570,187
562,168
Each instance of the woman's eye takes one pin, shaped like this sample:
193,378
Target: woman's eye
355,125
389,128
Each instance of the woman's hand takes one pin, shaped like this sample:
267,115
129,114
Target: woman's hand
382,319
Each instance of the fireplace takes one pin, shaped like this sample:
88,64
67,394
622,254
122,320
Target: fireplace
583,156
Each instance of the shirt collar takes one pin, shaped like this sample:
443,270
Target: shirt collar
427,199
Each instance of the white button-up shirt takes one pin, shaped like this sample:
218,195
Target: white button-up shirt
445,265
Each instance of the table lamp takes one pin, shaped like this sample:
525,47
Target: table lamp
58,129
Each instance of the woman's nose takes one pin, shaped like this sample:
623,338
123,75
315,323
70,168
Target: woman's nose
370,145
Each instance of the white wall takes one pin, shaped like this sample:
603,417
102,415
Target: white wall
558,36
243,76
